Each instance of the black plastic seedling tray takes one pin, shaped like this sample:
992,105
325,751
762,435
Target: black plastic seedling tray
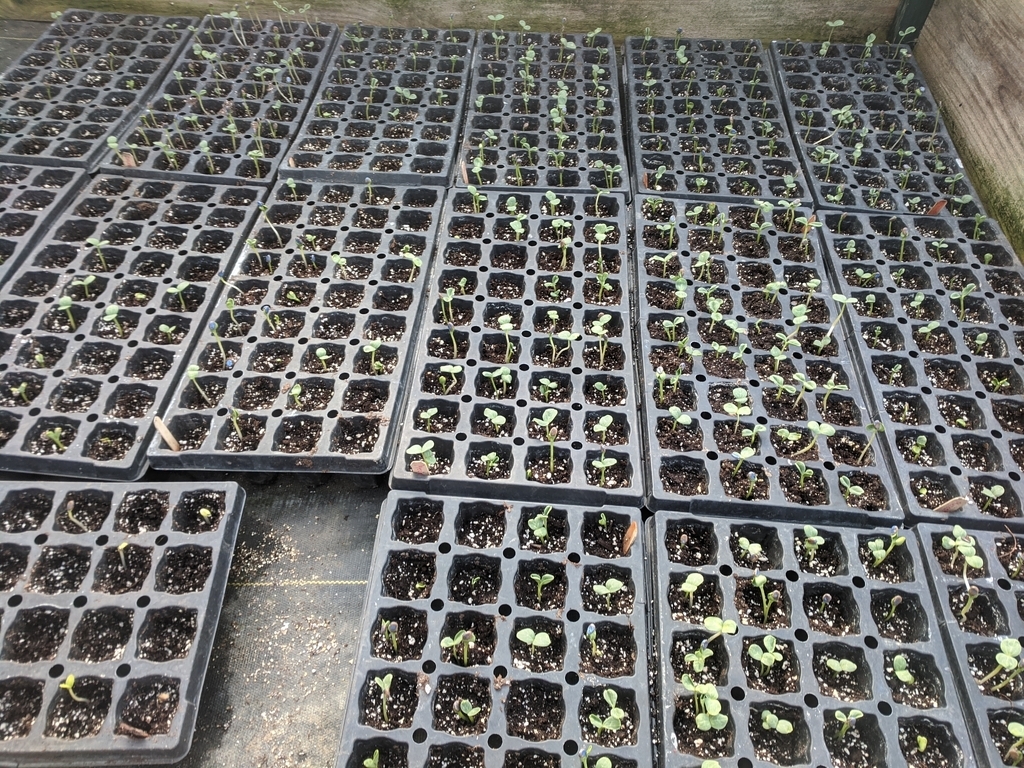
707,364
30,198
154,250
445,565
81,81
905,161
111,599
972,641
527,131
705,120
231,105
834,608
330,267
478,390
949,397
390,106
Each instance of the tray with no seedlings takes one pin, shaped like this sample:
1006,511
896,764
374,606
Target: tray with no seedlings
303,366
111,599
97,322
788,645
231,105
524,384
501,635
751,396
977,580
868,128
81,81
30,198
391,105
939,324
705,120
544,112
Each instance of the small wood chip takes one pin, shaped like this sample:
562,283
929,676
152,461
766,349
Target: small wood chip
936,209
953,505
166,434
419,467
630,537
130,730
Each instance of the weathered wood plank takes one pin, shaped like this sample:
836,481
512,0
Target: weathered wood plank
766,19
970,52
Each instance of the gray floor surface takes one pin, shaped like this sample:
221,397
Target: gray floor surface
279,676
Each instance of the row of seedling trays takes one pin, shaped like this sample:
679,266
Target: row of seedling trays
230,106
939,325
524,383
705,120
501,635
751,395
391,104
111,595
544,113
96,322
306,362
81,81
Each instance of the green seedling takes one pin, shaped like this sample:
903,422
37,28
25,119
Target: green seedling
812,542
690,585
880,550
766,654
603,464
991,494
69,686
464,639
841,666
771,722
591,634
54,436
532,639
848,719
707,708
538,524
901,670
613,720
767,599
424,451
606,590
541,580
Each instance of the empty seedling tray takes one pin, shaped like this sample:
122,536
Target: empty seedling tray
97,323
446,567
306,368
30,198
81,81
391,106
111,599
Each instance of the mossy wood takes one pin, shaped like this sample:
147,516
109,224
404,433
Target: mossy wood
797,19
970,54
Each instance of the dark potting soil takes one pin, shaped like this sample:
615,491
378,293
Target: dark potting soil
21,700
101,635
184,569
73,719
534,710
908,623
551,594
750,606
399,634
35,634
474,580
148,707
480,525
409,575
141,511
394,711
60,569
616,651
418,521
780,677
168,633
122,569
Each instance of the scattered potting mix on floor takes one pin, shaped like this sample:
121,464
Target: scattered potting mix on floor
699,383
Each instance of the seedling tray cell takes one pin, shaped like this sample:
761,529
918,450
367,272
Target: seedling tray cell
443,566
939,325
111,599
868,128
705,120
515,327
832,608
310,358
525,131
391,107
97,322
30,198
231,105
722,433
81,81
973,639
